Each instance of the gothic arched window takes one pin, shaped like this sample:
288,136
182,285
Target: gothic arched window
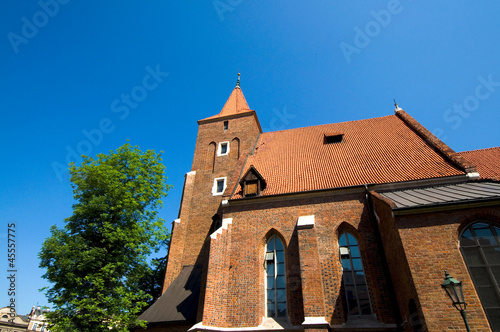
275,278
480,246
353,277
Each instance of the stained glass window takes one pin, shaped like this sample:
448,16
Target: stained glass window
480,248
275,278
353,277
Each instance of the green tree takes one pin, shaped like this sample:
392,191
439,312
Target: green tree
97,263
152,282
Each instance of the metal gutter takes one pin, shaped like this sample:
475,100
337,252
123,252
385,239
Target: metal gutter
346,190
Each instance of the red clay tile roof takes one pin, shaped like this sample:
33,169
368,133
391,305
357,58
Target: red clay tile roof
487,162
235,104
439,145
379,150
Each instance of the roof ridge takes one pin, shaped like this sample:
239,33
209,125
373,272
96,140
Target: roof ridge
329,124
436,143
477,150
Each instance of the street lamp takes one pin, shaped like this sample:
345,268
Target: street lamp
453,288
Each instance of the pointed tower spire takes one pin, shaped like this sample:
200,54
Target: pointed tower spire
235,104
238,81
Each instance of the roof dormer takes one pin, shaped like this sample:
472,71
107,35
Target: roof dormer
330,138
253,183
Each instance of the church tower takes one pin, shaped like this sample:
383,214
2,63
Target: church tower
223,143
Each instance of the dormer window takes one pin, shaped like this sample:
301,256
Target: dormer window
331,138
252,184
251,188
223,149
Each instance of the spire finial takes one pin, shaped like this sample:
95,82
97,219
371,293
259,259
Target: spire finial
238,81
397,108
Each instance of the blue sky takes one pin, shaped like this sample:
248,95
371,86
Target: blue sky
83,77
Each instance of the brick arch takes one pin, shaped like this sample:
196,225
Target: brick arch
273,233
269,234
481,278
261,249
346,227
235,146
210,158
369,279
467,220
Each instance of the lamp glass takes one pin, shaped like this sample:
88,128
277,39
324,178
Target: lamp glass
453,288
452,292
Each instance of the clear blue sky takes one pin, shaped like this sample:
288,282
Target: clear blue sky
67,69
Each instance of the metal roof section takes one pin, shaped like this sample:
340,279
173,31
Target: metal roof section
443,195
180,301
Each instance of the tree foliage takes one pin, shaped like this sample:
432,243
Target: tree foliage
97,263
152,281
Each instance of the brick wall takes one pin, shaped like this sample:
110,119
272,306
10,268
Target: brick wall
310,271
253,224
397,262
431,243
419,248
190,243
219,269
176,248
203,204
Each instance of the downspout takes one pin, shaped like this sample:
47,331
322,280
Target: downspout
383,258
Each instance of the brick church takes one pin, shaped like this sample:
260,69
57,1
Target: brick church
337,227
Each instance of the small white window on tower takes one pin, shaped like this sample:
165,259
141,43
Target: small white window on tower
219,186
223,149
